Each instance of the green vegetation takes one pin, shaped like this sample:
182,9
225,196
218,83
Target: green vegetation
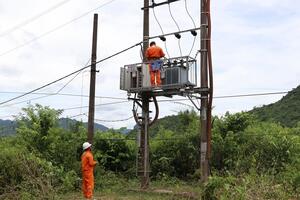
286,111
251,159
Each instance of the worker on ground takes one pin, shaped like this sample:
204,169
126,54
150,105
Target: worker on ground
87,167
153,54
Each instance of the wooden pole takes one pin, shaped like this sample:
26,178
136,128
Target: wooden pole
93,82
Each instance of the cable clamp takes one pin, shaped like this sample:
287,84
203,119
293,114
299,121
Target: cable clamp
177,35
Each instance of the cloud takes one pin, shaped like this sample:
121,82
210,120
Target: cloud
255,49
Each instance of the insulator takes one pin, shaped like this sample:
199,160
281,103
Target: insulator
194,33
169,64
162,38
177,35
175,63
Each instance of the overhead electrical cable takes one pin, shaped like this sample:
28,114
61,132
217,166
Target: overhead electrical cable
163,100
184,104
178,36
32,19
249,95
187,11
116,120
189,14
66,76
81,99
80,107
53,30
6,131
161,29
103,104
73,116
65,94
51,94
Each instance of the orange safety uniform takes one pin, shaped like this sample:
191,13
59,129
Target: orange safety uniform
87,168
153,53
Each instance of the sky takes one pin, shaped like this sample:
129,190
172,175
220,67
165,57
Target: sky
254,48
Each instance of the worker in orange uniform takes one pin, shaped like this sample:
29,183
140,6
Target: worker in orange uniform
153,54
87,167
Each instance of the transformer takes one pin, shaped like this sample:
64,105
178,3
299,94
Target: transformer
176,73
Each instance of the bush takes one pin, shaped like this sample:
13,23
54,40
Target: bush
174,157
23,174
113,155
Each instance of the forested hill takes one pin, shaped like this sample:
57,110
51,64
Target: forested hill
285,111
8,127
179,124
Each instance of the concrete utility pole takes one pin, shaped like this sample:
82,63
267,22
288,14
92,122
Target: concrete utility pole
93,82
144,145
204,162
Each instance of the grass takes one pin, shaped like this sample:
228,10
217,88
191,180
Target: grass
162,190
249,187
129,196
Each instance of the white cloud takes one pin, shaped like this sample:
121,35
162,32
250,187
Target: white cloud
255,45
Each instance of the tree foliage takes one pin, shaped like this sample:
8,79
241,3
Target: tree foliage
286,111
46,158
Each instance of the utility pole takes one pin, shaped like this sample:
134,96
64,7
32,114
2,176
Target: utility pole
204,163
144,145
93,82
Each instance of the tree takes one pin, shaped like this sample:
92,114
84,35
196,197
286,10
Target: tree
34,125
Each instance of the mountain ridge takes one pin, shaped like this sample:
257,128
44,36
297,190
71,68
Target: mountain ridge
286,111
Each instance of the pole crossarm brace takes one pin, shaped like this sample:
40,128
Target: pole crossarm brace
178,32
197,107
159,4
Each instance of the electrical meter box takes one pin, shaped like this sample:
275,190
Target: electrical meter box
179,72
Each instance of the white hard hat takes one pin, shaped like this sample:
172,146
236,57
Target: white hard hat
86,145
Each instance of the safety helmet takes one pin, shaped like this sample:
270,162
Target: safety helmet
86,145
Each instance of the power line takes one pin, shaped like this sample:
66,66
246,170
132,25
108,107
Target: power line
79,70
39,88
80,107
103,104
119,98
53,30
65,94
184,104
104,59
28,21
50,94
179,45
187,11
250,95
116,120
233,96
162,31
184,138
124,50
166,100
73,116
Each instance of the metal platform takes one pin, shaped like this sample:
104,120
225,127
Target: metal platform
177,74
